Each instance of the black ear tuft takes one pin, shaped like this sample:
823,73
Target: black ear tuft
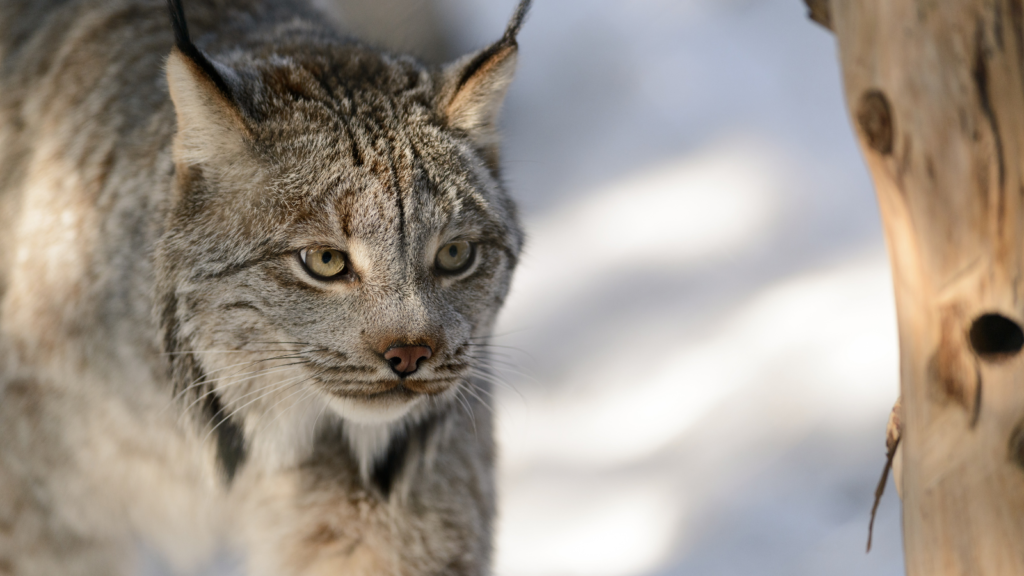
508,40
181,37
517,22
183,42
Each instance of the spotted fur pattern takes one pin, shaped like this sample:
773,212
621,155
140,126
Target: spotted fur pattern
173,376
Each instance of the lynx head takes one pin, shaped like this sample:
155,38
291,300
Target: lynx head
338,239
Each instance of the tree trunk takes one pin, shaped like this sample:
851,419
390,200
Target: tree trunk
935,90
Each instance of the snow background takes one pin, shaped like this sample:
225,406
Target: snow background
702,327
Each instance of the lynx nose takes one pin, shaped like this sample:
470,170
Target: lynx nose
405,360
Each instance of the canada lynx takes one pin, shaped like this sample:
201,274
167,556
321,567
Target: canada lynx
246,288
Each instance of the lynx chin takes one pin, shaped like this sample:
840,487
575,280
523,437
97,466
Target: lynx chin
250,271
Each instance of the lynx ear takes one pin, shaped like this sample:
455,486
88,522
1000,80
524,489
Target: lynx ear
475,86
210,125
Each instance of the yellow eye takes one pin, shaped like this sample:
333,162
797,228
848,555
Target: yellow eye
324,262
455,256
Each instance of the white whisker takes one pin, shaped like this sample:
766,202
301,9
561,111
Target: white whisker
231,351
499,366
205,378
311,391
474,392
492,379
499,347
465,406
238,380
275,387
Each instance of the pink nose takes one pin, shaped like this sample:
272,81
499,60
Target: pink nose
405,360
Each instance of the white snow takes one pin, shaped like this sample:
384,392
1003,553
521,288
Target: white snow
704,311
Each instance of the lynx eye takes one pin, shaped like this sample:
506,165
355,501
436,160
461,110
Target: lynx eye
455,257
324,263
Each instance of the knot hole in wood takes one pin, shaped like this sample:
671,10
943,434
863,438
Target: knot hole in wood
1017,445
994,336
874,116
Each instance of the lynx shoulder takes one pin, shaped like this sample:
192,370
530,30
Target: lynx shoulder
251,267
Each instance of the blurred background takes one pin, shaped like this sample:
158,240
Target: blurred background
701,340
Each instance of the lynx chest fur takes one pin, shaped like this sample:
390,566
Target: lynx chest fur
249,272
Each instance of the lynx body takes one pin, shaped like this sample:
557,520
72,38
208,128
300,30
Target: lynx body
247,280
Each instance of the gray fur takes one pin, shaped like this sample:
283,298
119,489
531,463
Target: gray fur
171,374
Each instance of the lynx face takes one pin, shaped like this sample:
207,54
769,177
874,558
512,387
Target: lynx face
339,241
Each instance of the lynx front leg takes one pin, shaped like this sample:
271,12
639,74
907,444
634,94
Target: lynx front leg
425,510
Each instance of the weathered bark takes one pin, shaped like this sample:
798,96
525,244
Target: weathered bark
935,90
818,10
